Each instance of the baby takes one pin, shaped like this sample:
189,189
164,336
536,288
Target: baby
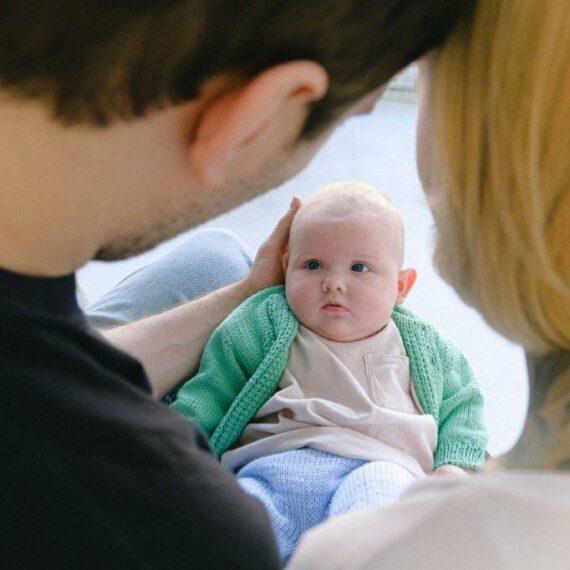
327,396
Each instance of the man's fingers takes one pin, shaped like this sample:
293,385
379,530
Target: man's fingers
295,203
281,231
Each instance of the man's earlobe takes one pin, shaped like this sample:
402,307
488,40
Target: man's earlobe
406,280
237,117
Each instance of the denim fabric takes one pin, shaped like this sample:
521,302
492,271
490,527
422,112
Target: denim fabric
207,260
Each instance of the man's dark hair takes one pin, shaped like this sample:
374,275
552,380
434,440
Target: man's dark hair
98,61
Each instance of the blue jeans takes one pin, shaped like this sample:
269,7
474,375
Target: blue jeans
207,260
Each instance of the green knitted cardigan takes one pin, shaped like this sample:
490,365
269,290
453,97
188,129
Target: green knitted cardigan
247,354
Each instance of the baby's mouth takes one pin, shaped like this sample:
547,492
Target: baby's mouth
334,307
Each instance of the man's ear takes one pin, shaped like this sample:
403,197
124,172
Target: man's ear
406,280
285,259
237,117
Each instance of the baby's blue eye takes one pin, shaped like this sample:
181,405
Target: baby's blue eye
312,265
359,267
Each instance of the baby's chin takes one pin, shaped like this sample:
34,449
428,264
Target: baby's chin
350,336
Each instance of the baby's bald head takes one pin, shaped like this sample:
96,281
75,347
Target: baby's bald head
351,200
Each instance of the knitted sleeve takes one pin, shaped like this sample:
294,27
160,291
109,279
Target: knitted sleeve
218,397
447,389
462,436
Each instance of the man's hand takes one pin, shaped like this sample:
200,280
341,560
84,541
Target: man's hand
267,269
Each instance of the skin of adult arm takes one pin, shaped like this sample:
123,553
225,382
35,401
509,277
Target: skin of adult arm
169,344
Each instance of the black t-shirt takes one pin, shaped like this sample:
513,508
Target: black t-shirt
93,472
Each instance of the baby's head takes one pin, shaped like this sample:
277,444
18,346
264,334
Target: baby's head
343,264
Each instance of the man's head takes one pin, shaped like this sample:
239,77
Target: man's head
100,60
343,264
203,104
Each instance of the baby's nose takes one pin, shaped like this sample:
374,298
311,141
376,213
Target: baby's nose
333,283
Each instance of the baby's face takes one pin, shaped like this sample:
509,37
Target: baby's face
343,275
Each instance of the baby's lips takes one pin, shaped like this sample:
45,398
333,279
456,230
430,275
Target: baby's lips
334,306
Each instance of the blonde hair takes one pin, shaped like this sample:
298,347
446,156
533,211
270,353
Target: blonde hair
341,199
501,105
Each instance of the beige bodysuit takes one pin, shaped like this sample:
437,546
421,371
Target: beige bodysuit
353,399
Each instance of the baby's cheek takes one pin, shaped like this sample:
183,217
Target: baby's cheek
298,300
379,310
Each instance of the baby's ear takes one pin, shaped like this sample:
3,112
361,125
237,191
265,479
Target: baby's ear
406,280
285,259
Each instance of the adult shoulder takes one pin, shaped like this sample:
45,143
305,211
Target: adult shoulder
502,520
